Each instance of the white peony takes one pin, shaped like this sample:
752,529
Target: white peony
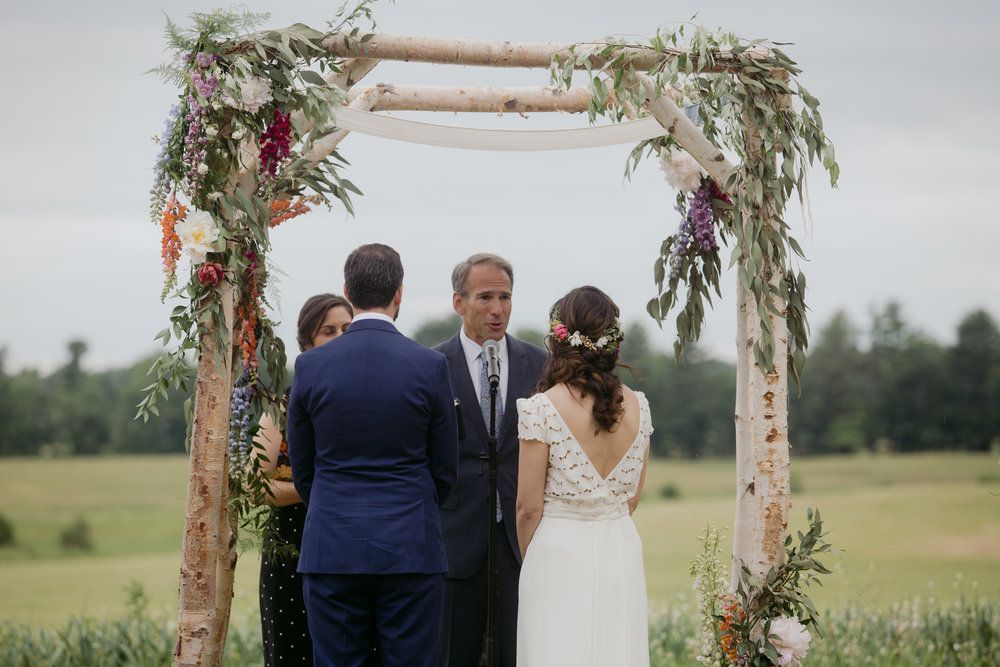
197,233
255,92
681,170
791,639
601,342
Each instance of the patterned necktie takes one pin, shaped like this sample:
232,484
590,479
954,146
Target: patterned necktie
484,405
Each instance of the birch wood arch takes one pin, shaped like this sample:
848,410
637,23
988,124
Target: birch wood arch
762,489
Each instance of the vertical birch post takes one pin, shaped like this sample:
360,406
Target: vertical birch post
208,471
762,463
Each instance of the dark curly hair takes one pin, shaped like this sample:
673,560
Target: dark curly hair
589,371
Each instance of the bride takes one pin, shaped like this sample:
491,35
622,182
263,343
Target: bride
584,449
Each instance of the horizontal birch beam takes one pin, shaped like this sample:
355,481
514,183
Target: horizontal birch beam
501,54
489,99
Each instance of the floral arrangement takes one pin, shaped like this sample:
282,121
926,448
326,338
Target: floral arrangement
764,621
230,167
748,101
609,341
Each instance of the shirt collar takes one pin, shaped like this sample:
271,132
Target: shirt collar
373,316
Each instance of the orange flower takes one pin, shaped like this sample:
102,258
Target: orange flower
285,209
170,246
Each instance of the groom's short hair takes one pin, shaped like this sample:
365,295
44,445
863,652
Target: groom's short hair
372,274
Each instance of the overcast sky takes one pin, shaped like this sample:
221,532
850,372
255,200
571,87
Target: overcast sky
908,97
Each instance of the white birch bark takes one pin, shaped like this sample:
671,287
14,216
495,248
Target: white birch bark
198,621
494,53
762,477
687,134
486,99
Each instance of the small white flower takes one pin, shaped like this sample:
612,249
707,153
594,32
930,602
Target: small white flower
202,168
681,170
211,131
197,233
575,339
238,134
601,342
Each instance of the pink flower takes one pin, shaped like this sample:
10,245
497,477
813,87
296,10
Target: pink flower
211,273
560,331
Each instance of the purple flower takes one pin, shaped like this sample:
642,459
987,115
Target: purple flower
702,219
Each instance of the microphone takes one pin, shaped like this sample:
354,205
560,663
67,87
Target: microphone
491,352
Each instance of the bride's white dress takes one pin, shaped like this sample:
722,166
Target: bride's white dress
582,592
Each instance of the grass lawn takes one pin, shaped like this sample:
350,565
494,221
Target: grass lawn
908,526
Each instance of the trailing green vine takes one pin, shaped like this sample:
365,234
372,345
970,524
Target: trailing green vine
747,108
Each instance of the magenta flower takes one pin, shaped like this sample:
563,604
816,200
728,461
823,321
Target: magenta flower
560,331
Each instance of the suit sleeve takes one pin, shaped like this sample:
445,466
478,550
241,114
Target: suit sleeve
301,437
442,436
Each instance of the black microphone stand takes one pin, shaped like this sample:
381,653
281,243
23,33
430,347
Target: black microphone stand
492,595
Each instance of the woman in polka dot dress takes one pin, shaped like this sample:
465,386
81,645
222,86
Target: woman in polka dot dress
283,624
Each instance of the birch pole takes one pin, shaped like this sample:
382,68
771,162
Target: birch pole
198,623
762,462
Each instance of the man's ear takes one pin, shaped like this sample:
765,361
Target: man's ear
345,293
458,303
398,299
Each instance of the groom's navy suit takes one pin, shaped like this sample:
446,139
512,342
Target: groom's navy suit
468,510
373,442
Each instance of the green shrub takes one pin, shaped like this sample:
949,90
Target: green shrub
669,491
137,639
77,536
6,531
913,633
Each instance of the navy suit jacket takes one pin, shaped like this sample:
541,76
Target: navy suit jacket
373,442
466,513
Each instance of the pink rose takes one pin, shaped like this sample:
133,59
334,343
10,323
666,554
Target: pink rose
211,273
560,331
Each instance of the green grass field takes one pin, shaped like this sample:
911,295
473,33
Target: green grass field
924,526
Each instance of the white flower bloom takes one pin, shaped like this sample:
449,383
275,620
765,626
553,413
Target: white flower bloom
791,641
202,168
601,342
211,131
197,233
255,92
238,134
681,170
575,339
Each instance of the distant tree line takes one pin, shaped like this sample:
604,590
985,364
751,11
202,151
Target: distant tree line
887,388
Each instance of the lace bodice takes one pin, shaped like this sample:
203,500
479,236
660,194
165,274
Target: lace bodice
573,487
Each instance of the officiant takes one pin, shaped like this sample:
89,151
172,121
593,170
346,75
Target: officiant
483,286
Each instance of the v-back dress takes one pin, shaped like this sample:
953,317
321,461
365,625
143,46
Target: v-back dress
582,591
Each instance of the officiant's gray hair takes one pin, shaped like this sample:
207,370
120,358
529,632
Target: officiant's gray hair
461,272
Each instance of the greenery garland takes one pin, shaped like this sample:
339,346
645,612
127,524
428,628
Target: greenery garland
242,95
741,102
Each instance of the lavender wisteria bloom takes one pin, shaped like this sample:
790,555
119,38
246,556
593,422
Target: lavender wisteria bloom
161,181
239,423
681,244
702,218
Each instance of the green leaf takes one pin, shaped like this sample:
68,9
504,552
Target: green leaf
309,76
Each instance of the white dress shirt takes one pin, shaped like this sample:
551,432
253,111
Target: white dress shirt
474,357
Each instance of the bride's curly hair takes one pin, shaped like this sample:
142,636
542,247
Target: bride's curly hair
586,368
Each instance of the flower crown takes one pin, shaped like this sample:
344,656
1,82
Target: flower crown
609,341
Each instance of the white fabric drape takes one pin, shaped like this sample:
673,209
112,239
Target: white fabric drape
390,127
